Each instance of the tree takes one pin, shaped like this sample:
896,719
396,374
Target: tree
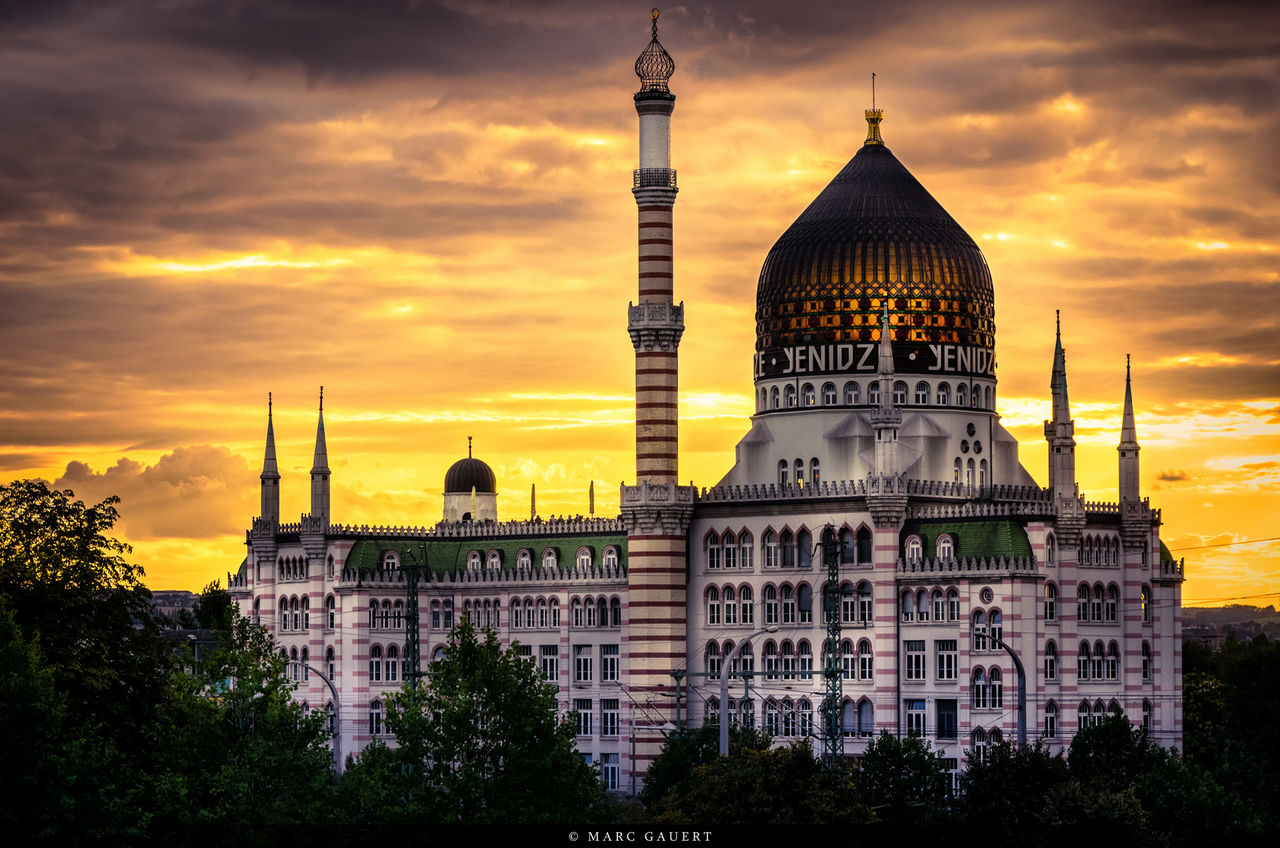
237,760
685,751
479,743
214,609
905,781
83,604
1007,791
762,786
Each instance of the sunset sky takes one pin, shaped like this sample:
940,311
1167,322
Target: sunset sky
426,207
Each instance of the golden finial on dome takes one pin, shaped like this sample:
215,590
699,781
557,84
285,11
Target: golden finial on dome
874,117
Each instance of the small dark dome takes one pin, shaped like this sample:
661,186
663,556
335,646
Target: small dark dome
875,236
470,473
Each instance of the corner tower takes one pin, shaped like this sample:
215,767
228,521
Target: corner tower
656,510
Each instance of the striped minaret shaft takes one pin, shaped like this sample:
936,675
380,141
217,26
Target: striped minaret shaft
656,510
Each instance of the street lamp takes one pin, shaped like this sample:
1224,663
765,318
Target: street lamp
1022,686
337,720
724,686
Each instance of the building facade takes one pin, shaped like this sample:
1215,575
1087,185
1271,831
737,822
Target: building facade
875,454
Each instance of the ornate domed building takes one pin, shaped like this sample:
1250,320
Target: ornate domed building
876,558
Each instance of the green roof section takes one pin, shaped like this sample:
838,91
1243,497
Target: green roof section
449,556
978,538
1166,555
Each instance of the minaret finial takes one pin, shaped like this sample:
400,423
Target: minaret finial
1126,368
655,65
468,447
653,16
322,398
268,406
874,117
1057,322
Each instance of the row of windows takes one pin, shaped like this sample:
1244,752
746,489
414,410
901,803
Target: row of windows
609,717
1095,603
1099,550
787,549
550,557
795,718
786,604
788,660
807,395
583,665
924,606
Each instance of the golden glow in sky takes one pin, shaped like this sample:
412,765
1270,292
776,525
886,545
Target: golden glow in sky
426,208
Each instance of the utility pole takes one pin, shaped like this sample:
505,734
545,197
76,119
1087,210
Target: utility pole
833,671
412,652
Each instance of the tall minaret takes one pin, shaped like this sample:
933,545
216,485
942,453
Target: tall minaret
1128,447
886,419
655,323
270,476
656,510
320,472
1060,432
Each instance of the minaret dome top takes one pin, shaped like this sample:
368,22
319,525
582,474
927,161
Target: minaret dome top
654,65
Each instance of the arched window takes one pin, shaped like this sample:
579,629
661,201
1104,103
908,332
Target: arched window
922,393
873,393
390,561
804,549
957,470
864,545
375,718
787,549
1112,602
979,630
804,657
375,664
770,542
524,559
1082,661
852,394
584,557
295,610
1051,720
944,394
953,605
1145,598
294,670
473,560
922,605
828,394
997,689
306,613
447,610
908,606
549,558
866,660
986,393
1050,661
744,605
848,551
1146,660
939,606
602,612
788,660
962,396
810,396
968,472
783,469
799,469
1082,602
494,560
729,549
1050,545
330,612
397,615
773,398
730,601
330,664
866,718
770,604
711,549
615,612
946,547
899,393
915,549
384,616
555,612
611,557
979,692
1113,661
711,658
788,604
1095,609
770,660
982,474
849,719
772,723
789,397
575,612
435,615
1084,716
746,544
713,605
865,612
804,603
815,472
1050,602
1146,717
393,663
996,629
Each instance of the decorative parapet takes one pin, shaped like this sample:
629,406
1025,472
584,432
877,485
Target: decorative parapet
1102,508
1026,494
238,581
1003,566
262,529
554,526
657,508
979,509
837,489
313,525
655,326
653,178
496,578
1172,570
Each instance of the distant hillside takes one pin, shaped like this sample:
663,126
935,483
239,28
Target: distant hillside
1234,614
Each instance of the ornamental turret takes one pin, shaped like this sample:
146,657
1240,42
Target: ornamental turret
320,473
1060,431
1128,447
270,476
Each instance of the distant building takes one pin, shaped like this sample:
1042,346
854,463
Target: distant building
875,431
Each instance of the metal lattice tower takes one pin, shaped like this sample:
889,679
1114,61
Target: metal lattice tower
412,671
833,671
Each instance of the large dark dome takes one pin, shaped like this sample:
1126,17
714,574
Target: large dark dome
875,233
467,474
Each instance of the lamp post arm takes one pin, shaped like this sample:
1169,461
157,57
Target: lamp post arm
337,720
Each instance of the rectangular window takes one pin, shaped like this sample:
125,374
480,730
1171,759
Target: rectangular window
915,659
864,608
610,771
915,716
524,650
549,656
946,649
608,663
848,608
609,717
1051,724
788,609
583,707
748,611
582,663
948,719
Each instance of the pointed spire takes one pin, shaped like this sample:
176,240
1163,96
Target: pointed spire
320,464
591,498
468,447
1128,429
533,501
1058,380
269,469
874,117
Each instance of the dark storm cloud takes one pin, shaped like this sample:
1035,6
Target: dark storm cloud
1173,476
